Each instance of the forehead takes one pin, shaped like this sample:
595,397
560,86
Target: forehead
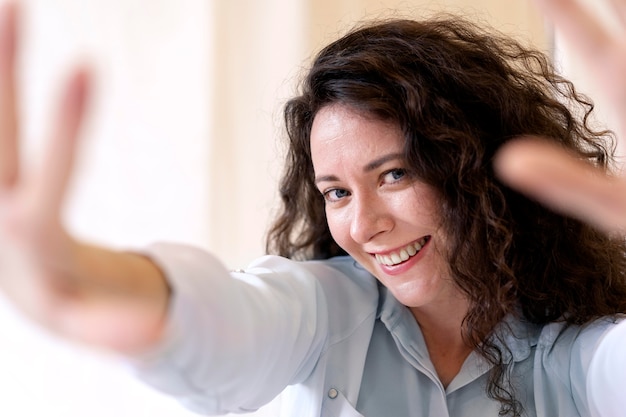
341,133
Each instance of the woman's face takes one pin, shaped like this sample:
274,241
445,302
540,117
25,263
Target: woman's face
386,220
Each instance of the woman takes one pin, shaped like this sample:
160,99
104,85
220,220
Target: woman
435,101
459,295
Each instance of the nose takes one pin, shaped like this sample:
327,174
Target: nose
370,217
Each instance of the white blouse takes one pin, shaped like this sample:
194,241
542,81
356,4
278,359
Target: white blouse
327,338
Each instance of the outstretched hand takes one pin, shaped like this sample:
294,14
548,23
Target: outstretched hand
550,174
82,292
30,202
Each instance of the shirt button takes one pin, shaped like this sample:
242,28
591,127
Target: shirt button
332,393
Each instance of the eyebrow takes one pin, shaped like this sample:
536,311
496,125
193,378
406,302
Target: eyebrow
370,166
376,163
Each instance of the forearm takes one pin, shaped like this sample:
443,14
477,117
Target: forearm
114,274
113,299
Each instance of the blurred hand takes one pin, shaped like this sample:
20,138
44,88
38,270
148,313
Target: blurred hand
33,240
84,293
550,174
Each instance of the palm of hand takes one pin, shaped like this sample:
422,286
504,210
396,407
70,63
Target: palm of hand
33,241
68,287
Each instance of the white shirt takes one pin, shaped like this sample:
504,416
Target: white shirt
330,341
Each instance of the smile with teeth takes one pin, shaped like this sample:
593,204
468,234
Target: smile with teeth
397,257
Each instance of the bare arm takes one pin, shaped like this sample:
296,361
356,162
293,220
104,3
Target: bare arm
89,294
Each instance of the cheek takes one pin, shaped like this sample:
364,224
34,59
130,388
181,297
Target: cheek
339,228
428,205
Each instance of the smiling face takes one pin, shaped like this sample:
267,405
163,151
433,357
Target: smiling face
383,218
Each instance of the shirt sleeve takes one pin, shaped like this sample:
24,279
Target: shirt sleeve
235,340
606,378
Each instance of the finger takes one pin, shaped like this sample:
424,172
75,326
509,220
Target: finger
619,8
553,176
577,25
9,156
57,164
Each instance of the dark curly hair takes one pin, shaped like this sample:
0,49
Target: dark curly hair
459,92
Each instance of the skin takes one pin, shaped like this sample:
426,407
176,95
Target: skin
84,293
550,174
374,208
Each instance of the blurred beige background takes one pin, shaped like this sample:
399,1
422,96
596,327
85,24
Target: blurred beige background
182,143
260,50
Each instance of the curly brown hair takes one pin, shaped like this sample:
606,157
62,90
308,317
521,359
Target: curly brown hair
459,92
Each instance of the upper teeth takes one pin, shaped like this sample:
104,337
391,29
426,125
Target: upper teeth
402,255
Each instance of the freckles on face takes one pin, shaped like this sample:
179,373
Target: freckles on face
377,212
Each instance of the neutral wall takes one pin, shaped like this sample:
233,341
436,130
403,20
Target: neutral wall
261,50
182,144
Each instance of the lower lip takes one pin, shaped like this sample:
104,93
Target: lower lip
406,265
